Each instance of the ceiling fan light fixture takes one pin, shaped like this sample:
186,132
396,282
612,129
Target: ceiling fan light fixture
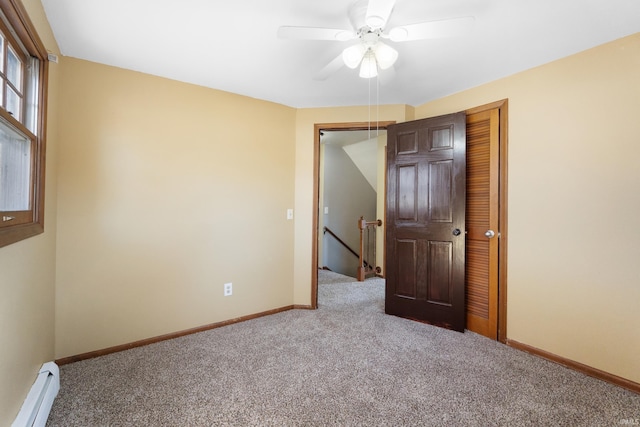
369,66
398,34
385,55
352,56
369,20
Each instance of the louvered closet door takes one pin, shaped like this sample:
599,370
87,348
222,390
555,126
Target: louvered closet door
481,277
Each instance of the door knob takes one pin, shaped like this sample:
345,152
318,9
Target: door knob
456,232
489,234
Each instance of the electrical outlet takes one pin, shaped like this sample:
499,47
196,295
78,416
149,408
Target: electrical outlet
228,289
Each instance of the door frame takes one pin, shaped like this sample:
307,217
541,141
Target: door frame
502,107
317,128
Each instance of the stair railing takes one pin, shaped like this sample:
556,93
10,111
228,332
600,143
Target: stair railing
367,248
335,236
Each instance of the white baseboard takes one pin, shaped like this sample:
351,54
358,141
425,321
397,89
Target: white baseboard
36,407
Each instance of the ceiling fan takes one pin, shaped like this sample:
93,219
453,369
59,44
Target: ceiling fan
369,19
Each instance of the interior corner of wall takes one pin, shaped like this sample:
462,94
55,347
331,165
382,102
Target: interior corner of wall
409,113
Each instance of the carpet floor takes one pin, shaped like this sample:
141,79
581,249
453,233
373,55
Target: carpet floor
345,364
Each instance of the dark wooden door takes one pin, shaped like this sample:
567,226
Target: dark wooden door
425,240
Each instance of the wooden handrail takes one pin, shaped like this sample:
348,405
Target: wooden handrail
328,230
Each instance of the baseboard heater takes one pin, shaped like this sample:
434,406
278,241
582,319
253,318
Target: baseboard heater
36,407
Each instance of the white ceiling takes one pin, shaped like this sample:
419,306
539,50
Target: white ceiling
232,45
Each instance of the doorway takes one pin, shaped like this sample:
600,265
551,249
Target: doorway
318,129
351,164
499,297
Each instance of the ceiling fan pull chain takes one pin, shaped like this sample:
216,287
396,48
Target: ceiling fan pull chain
369,83
378,105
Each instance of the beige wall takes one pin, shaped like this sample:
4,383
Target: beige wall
167,191
305,158
27,272
574,204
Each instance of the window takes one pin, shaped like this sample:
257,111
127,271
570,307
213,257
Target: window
23,71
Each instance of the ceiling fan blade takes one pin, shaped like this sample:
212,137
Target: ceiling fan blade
330,68
313,33
432,29
378,12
